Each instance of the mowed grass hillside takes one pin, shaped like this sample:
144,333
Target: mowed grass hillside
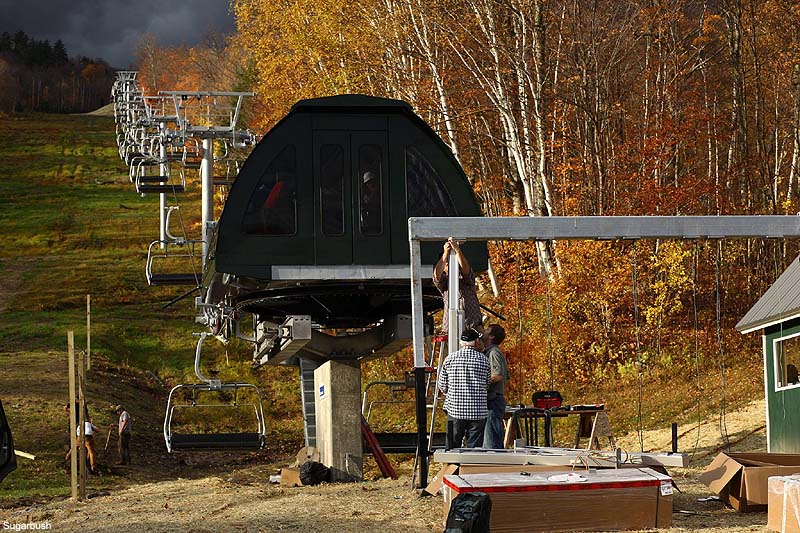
73,225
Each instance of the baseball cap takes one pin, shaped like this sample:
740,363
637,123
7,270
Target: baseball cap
470,335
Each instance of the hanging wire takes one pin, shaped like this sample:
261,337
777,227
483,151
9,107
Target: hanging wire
696,347
185,233
779,372
638,348
549,303
519,326
723,427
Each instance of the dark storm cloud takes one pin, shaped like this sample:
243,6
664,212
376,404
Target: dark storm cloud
110,29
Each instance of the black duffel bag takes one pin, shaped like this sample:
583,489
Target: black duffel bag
314,473
469,513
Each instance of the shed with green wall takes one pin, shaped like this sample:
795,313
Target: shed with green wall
777,315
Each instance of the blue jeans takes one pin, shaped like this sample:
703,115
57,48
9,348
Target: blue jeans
493,434
458,429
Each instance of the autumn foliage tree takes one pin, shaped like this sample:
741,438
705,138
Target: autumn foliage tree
564,107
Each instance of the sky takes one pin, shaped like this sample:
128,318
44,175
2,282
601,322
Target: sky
110,29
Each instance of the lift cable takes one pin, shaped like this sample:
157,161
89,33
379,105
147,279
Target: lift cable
696,347
519,322
723,428
549,304
185,234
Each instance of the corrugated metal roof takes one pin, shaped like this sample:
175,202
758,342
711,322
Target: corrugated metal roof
781,302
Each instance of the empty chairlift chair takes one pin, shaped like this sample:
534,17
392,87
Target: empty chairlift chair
175,261
170,255
149,179
218,441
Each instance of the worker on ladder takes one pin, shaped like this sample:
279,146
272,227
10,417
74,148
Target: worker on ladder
468,294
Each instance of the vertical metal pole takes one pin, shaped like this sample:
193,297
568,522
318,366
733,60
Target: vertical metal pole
417,315
206,180
674,437
88,331
73,441
82,429
162,198
422,425
454,314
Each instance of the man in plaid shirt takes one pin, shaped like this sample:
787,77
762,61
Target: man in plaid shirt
464,377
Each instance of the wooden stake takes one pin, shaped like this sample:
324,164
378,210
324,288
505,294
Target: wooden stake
82,440
73,441
88,332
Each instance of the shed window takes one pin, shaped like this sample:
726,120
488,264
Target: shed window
426,194
272,209
370,186
331,160
787,361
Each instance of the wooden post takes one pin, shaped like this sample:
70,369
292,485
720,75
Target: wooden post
82,440
88,332
73,441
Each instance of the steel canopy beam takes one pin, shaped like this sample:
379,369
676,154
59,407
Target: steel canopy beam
610,228
617,227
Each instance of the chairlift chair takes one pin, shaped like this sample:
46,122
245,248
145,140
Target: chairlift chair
164,251
155,182
241,441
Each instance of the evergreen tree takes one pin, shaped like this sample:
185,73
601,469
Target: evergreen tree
59,52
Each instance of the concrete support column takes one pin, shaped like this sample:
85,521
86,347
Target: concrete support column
338,411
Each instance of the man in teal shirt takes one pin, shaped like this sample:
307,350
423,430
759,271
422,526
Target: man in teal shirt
495,394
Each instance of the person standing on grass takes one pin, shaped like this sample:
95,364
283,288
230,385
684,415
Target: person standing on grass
89,430
495,394
124,443
463,380
91,453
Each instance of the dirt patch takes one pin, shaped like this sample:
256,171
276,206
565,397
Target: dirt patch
222,504
105,111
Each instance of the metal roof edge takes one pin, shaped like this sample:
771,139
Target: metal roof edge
749,328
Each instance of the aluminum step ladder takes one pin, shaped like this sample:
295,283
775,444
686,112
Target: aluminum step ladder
308,395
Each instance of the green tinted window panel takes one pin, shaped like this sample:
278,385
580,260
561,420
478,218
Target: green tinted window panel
787,361
332,189
426,194
272,208
370,182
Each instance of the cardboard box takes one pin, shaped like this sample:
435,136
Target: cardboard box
290,476
625,499
740,479
784,504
